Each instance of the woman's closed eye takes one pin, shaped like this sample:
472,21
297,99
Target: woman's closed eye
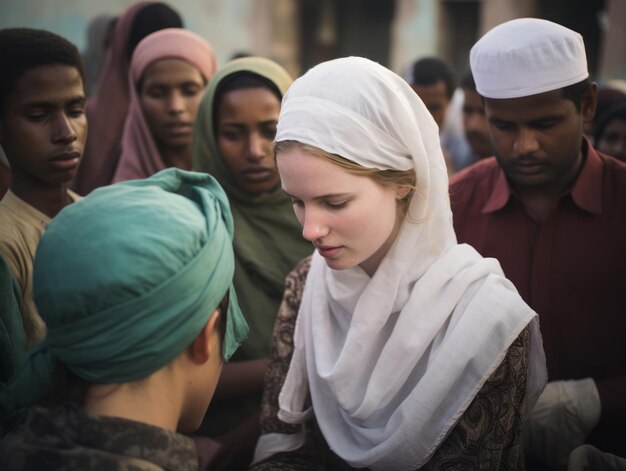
36,117
335,205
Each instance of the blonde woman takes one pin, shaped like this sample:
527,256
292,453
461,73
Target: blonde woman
395,347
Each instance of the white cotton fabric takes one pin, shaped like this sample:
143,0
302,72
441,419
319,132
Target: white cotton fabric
391,362
271,443
527,56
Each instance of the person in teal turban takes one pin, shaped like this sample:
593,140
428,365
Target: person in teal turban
134,283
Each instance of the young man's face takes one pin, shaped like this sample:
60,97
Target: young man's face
613,139
537,139
435,98
475,124
44,127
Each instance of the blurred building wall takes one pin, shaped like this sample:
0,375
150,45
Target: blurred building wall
415,32
613,49
300,33
229,25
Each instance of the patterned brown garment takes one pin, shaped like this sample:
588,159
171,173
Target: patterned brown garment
67,439
487,437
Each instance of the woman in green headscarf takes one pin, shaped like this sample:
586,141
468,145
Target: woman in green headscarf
234,130
135,286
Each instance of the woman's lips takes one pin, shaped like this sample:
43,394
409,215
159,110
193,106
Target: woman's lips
258,174
179,129
328,252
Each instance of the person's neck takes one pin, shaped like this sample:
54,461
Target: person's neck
179,157
154,401
539,205
47,198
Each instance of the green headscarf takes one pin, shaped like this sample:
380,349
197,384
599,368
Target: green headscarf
12,337
12,334
126,278
268,239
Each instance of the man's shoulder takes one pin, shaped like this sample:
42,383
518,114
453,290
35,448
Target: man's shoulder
11,225
18,238
474,185
485,170
614,168
14,228
613,183
13,208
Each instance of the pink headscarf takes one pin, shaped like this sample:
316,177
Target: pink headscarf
140,156
107,109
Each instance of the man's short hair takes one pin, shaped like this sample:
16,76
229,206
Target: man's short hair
22,49
576,91
429,71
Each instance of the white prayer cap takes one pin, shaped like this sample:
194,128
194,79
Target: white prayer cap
527,56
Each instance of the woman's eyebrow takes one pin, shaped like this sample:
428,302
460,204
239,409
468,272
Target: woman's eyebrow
322,197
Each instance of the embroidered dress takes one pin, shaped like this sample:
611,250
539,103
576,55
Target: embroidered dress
67,439
487,437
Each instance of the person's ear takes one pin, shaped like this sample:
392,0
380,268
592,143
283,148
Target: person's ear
203,348
588,103
402,191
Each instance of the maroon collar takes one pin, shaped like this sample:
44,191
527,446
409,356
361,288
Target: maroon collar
586,192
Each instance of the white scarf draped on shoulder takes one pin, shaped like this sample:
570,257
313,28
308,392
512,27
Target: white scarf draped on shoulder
391,362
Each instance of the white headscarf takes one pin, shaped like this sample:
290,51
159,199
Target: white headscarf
391,362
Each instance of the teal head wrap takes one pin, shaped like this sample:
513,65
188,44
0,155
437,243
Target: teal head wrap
126,278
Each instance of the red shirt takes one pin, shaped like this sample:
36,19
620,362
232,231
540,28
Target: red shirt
571,269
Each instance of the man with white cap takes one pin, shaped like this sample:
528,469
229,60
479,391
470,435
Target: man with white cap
553,211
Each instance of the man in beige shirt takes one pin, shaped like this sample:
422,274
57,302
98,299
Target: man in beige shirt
42,132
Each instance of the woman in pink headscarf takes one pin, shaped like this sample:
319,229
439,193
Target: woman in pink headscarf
168,73
107,108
